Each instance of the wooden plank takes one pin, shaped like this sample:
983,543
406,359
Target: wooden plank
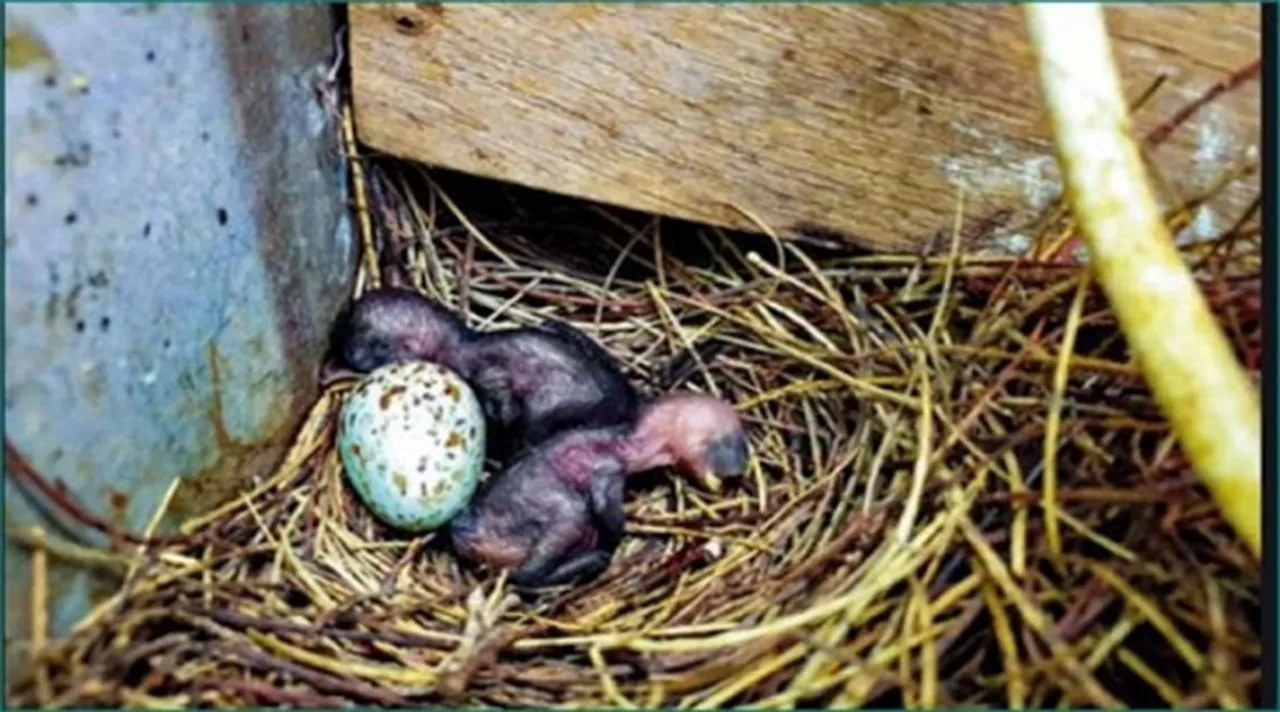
857,121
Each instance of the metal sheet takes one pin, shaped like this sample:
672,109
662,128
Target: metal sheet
176,245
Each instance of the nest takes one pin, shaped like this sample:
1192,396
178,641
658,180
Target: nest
961,494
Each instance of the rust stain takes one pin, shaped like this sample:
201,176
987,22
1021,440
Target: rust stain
119,504
454,440
453,392
234,460
23,47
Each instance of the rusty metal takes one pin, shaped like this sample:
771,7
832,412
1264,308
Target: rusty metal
176,245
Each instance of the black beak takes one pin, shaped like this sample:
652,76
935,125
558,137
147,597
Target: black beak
728,456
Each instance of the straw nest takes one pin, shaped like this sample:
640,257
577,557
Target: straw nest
916,423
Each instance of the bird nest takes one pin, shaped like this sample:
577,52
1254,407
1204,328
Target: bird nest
961,493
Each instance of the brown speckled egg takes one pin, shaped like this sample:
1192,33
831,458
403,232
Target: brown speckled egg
411,440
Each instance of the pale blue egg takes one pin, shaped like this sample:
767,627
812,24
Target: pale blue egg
411,440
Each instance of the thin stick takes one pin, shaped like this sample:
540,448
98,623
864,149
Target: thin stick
924,432
140,556
952,256
1161,133
368,252
40,616
1181,349
1053,426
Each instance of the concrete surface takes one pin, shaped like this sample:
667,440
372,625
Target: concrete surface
176,243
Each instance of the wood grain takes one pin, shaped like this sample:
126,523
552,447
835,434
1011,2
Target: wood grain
855,121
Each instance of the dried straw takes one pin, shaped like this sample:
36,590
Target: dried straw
888,547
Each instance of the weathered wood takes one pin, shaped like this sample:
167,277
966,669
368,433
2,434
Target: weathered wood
850,120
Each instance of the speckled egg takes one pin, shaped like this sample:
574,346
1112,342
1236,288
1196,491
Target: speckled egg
411,440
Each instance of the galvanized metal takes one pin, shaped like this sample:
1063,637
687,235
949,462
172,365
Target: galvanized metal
176,245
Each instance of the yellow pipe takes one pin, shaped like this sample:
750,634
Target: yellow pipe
1180,347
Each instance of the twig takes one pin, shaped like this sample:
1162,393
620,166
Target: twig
1161,133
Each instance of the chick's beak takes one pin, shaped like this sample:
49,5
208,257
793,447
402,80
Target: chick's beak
728,456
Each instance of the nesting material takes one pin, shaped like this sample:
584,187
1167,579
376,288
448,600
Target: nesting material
887,547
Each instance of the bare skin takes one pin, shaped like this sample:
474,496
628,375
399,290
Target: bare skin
531,382
556,515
